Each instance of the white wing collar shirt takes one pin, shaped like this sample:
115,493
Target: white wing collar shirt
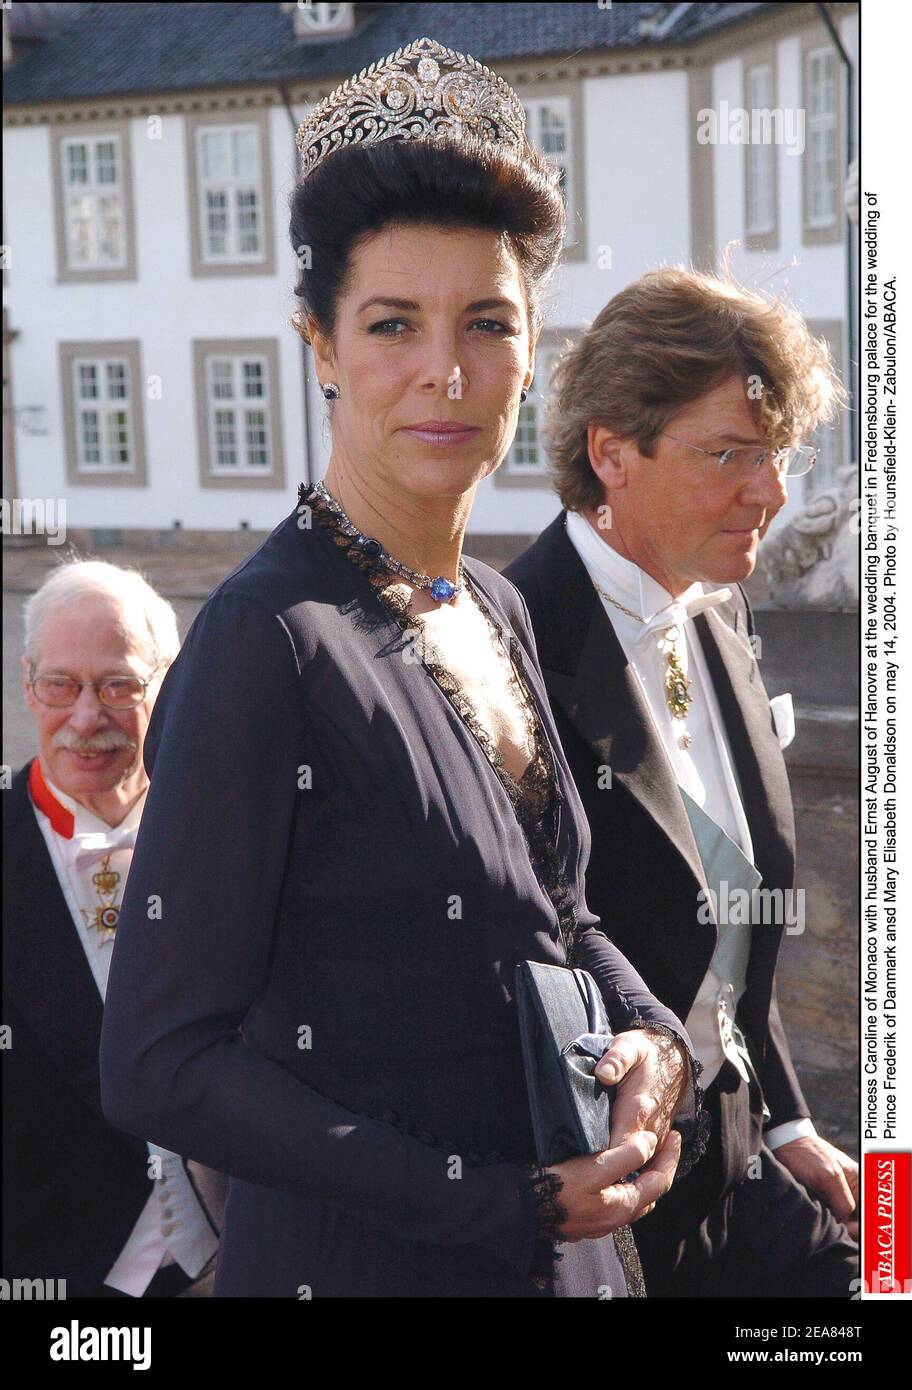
696,746
172,1227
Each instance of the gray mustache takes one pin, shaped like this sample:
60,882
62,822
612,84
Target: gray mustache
99,743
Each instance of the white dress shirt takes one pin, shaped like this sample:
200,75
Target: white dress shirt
172,1226
702,765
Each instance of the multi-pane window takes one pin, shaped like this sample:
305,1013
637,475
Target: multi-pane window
761,158
549,129
823,474
93,201
230,193
238,406
827,438
822,153
103,409
527,456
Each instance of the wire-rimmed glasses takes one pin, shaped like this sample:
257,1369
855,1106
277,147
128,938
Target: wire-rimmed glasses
746,459
115,692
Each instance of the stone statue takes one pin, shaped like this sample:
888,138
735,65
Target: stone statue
812,561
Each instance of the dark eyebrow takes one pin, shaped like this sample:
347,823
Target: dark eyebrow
411,305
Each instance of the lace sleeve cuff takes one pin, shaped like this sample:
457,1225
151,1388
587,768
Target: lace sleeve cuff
691,1120
550,1214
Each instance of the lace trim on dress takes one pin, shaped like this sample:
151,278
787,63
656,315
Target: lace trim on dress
693,1145
545,1186
536,795
536,799
550,1215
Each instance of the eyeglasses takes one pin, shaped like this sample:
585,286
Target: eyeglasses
117,692
746,459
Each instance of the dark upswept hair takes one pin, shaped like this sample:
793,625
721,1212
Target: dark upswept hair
360,189
663,342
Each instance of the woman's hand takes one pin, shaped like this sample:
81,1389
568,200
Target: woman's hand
594,1194
651,1072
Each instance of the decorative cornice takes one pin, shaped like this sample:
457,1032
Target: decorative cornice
137,105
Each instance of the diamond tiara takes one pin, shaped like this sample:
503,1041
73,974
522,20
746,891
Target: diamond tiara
420,92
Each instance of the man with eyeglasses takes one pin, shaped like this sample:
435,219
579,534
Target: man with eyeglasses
676,424
111,1215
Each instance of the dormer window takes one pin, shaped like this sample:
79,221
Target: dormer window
311,18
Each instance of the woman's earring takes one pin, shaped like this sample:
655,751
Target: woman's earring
331,391
523,394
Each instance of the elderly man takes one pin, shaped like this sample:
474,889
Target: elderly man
109,1214
676,422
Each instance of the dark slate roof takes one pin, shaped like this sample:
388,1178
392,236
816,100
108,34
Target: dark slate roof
29,20
703,19
116,49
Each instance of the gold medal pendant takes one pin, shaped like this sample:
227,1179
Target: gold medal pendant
676,683
107,913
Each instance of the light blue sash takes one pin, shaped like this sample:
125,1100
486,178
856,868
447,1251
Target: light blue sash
727,870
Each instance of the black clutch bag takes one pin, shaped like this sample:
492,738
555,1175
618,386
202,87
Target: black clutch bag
564,1031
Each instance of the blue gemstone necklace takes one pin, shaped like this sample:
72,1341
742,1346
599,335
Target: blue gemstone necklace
441,588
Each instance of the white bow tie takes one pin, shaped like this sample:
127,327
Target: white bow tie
678,612
92,846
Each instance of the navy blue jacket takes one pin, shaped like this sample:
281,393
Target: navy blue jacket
312,984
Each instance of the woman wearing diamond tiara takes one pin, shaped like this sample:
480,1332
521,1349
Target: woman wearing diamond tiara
360,816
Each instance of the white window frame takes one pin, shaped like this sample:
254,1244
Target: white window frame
532,418
105,407
232,185
760,169
239,404
820,124
829,439
533,107
823,475
93,191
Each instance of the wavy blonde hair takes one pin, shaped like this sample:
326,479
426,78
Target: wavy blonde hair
665,341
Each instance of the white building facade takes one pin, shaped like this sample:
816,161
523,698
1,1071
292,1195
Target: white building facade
151,374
